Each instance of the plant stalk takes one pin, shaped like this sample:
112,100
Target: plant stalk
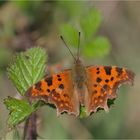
30,128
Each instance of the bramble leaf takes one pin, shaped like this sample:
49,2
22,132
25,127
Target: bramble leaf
90,23
70,34
19,110
71,8
27,69
98,47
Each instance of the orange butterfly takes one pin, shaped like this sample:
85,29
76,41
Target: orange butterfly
90,87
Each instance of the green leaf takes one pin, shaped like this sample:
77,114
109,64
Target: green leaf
90,22
83,113
28,68
71,8
19,110
70,34
99,47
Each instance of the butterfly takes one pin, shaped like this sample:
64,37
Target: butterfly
91,87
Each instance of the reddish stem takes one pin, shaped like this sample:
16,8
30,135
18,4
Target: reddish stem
30,128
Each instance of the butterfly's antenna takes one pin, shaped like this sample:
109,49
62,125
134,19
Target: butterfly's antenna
67,47
78,51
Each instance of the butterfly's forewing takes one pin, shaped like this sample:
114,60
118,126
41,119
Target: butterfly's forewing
102,83
57,89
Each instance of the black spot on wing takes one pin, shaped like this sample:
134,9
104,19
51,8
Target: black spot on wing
105,87
61,86
107,70
49,80
48,90
95,85
119,71
53,91
106,80
65,95
38,86
59,79
97,72
97,68
98,80
112,78
94,92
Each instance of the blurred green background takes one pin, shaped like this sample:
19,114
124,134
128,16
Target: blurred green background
24,24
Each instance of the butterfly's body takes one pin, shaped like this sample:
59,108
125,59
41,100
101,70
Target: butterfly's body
80,80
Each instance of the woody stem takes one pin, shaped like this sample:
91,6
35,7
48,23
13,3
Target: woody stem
30,130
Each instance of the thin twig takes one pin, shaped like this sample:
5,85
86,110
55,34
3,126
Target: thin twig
30,128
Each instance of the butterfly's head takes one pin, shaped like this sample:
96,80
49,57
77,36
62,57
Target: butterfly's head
78,61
